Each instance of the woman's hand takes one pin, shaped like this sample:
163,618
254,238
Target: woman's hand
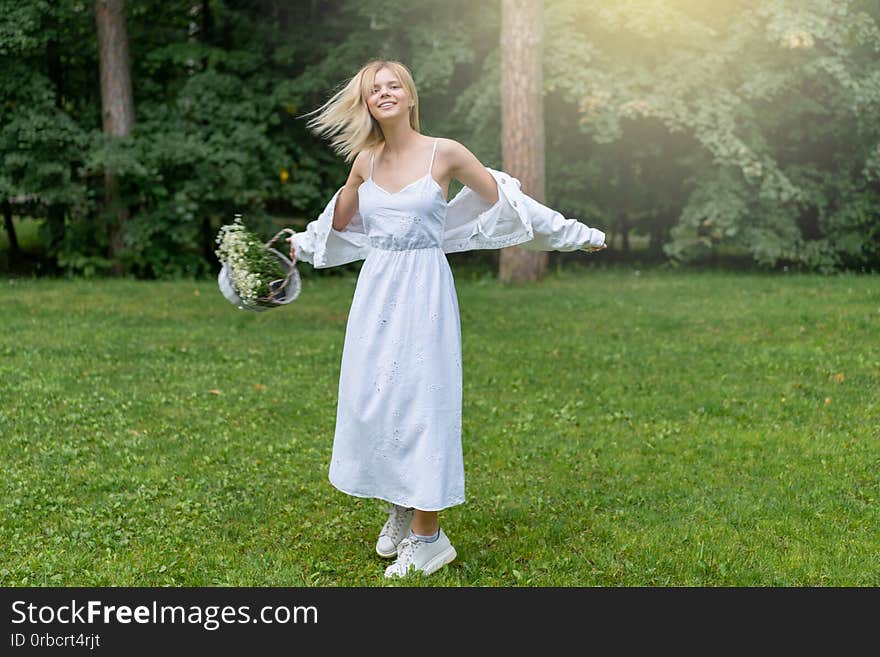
593,249
292,252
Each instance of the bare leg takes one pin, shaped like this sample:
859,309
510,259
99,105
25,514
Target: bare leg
425,523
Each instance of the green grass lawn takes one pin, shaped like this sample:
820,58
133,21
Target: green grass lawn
659,428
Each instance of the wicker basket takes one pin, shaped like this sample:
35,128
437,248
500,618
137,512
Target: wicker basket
283,291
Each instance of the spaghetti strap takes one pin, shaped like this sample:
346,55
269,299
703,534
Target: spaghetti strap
431,165
372,157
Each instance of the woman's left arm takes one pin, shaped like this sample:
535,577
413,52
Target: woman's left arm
465,167
552,231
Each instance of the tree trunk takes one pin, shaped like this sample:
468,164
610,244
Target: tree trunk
10,229
57,212
117,107
522,120
206,34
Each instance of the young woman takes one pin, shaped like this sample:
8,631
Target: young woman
398,420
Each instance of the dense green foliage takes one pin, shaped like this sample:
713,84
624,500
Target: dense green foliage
782,99
731,126
618,429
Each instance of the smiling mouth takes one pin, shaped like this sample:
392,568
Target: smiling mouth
386,105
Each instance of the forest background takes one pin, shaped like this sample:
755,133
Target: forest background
731,133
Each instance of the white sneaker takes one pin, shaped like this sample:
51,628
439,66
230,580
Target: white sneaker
413,554
395,530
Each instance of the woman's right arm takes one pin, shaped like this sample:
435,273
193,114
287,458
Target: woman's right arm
347,202
344,209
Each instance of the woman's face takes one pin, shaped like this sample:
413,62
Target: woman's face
388,99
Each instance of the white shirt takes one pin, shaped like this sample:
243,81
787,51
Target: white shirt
471,223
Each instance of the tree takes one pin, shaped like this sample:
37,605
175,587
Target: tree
522,120
40,143
780,97
117,109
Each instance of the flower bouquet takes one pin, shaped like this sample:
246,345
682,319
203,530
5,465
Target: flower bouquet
254,276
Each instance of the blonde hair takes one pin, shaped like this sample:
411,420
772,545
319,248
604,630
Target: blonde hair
346,119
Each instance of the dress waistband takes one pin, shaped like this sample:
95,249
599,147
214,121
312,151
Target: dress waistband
387,243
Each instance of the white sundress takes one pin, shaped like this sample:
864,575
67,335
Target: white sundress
398,418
